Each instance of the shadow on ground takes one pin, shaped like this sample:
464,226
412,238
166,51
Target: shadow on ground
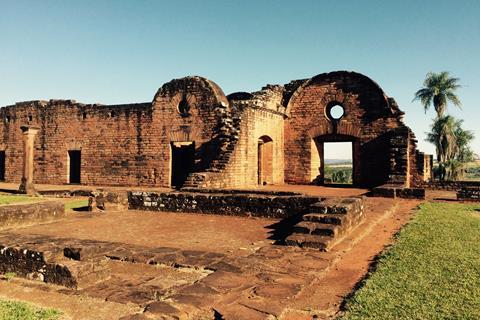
282,229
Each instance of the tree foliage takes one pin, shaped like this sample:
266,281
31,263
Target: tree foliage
450,139
452,145
439,89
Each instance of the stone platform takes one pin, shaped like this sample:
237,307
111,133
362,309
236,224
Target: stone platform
234,202
398,191
41,210
175,265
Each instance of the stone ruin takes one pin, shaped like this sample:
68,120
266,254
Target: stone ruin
216,149
193,135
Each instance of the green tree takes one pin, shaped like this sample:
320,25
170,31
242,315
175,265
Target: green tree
452,145
439,89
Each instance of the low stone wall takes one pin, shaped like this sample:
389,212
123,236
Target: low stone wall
394,191
450,185
234,204
66,193
32,265
24,214
108,200
469,193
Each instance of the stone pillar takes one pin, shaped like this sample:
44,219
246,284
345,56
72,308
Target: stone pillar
26,185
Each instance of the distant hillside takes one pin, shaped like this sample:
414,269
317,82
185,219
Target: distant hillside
338,161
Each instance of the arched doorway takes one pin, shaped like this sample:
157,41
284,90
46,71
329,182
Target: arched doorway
265,160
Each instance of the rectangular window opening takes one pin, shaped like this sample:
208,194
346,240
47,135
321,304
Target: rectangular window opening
338,163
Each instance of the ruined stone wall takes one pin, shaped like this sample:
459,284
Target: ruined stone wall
369,117
242,169
201,123
132,144
120,144
116,142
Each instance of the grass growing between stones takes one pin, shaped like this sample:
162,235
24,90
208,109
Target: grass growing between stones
8,199
15,310
431,272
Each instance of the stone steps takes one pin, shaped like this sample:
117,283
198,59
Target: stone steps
326,223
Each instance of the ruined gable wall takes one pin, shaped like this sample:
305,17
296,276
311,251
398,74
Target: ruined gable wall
207,106
368,117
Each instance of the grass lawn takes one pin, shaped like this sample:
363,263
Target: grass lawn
74,204
431,272
15,310
8,199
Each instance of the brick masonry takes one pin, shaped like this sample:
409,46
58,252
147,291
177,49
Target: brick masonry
235,204
286,125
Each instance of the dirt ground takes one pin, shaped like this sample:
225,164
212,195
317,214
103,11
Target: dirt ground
257,280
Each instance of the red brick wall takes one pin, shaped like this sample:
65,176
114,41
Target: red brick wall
369,117
120,144
114,146
131,144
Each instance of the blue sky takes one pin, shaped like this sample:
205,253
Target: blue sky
123,51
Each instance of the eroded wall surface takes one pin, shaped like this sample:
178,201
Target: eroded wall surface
282,128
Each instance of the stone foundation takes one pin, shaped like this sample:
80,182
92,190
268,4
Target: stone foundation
469,193
395,191
29,213
235,204
450,185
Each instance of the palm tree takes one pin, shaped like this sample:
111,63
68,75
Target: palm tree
443,137
452,145
439,89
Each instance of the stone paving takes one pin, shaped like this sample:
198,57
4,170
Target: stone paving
176,266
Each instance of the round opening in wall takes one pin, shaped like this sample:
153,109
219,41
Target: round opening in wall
184,107
336,112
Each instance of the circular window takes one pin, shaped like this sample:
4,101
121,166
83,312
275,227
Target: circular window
336,112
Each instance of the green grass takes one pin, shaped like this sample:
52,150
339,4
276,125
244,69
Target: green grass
76,204
8,199
431,272
15,310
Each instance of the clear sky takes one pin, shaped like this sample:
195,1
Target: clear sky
123,51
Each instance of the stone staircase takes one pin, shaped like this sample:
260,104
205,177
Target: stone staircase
326,223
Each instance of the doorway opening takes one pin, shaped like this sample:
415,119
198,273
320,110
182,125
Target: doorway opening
183,162
338,163
265,160
75,164
2,165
